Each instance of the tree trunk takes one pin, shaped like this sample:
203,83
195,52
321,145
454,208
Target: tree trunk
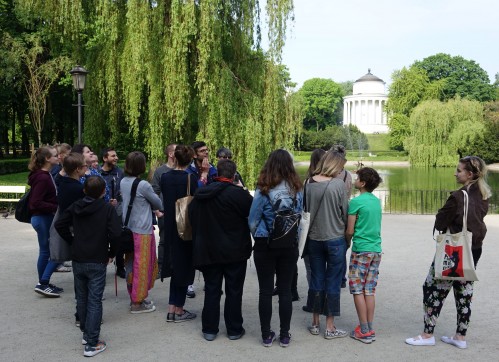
39,138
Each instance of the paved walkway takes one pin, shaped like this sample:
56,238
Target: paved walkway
34,328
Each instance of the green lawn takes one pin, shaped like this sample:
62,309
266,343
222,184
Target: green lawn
14,179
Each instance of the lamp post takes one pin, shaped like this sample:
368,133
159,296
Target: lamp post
79,73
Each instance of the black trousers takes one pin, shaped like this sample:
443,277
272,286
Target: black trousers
234,275
282,263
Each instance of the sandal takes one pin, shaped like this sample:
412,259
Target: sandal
314,329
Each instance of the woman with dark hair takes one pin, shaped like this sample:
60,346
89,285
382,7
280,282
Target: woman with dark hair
278,187
42,204
471,172
174,185
141,265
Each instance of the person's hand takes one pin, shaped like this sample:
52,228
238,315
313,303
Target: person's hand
158,213
205,167
113,202
239,183
111,260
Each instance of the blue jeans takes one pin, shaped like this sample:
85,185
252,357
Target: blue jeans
41,224
90,280
327,260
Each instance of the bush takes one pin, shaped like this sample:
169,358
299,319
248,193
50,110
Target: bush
348,136
13,166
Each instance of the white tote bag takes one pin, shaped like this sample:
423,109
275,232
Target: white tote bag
304,223
453,257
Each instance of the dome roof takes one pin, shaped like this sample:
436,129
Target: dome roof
369,77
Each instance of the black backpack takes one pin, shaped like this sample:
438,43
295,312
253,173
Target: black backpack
22,209
284,232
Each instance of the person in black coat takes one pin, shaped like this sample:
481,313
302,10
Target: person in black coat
221,247
173,187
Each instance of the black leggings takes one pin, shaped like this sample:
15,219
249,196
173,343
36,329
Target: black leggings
282,263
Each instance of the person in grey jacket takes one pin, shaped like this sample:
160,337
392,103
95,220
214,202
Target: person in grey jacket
141,265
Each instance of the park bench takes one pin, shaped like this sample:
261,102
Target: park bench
10,195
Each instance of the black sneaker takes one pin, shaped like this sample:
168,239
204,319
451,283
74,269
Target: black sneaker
56,289
90,351
46,290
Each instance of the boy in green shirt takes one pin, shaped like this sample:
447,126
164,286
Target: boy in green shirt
364,230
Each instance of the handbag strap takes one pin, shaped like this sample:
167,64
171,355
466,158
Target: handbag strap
465,212
188,184
132,197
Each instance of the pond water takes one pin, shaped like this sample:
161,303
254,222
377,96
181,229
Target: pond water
419,190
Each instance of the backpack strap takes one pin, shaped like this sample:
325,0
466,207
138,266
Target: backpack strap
132,197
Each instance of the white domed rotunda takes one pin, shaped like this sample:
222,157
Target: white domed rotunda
366,107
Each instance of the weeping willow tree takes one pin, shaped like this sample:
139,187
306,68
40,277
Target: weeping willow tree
179,70
440,133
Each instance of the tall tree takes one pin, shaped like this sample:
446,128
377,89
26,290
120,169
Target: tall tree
463,77
321,98
177,70
441,132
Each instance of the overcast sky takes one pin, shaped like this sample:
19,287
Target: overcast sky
342,39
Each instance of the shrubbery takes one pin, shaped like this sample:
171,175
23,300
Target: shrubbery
348,136
13,166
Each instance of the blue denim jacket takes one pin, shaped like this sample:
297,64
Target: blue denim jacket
261,216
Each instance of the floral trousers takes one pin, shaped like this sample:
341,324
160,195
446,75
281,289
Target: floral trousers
434,293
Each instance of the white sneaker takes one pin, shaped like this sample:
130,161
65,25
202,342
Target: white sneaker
454,342
420,341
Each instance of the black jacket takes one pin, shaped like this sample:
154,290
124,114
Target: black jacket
96,229
69,191
219,218
451,214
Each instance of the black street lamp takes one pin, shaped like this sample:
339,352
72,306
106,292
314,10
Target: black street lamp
79,73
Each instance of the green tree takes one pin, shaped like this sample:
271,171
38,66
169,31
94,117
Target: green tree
487,147
442,132
409,87
175,71
321,98
463,77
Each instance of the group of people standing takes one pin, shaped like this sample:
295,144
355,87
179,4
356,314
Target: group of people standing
223,216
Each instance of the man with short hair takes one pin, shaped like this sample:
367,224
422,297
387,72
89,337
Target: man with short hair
155,183
221,247
201,166
112,174
205,173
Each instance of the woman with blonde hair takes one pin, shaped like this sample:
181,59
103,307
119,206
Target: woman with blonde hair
471,172
327,201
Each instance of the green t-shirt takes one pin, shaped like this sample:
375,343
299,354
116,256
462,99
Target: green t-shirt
367,231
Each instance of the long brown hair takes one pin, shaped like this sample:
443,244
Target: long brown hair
278,167
478,168
315,157
39,158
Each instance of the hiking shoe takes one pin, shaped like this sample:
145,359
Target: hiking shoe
63,269
56,289
170,317
90,351
314,329
285,340
46,290
190,292
359,336
267,342
142,308
184,317
337,333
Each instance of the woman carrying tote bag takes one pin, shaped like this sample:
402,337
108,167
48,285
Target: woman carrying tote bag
471,172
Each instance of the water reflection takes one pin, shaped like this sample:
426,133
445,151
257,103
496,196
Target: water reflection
419,190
